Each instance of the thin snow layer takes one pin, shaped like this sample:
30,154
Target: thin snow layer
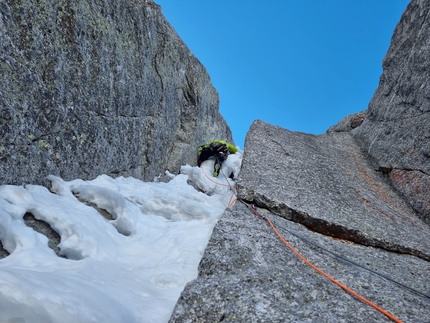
131,268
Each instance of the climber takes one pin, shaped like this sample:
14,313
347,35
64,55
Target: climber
220,149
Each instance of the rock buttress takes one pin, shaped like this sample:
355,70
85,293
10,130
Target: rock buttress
98,87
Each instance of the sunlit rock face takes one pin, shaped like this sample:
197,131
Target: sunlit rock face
98,87
396,130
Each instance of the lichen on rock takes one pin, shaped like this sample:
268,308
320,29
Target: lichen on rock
99,87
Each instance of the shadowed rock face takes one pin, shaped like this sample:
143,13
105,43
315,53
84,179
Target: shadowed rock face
92,87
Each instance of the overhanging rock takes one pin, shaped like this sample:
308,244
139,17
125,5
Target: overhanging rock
326,183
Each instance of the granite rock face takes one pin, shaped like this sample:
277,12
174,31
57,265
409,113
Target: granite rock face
396,130
326,183
98,87
319,191
354,201
248,275
348,123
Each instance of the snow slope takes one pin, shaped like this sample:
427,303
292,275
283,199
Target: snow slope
129,269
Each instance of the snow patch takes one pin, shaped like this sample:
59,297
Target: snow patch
130,268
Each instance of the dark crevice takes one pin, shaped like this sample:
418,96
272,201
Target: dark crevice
5,158
119,171
387,170
44,228
103,213
189,93
156,68
411,170
3,252
335,230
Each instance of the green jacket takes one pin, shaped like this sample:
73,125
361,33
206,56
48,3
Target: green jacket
232,149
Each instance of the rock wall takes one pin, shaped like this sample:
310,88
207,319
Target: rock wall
353,201
396,131
98,86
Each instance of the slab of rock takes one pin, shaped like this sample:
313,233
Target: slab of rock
326,183
99,87
327,200
248,275
396,130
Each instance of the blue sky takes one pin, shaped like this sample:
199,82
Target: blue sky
302,65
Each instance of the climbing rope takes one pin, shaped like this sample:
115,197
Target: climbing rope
344,287
234,198
344,259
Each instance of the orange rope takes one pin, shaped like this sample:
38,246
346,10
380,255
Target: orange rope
221,184
232,200
365,300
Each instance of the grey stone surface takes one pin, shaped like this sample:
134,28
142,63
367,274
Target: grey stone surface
248,275
325,190
44,228
396,130
348,123
91,87
326,183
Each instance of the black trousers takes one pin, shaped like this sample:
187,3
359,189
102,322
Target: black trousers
205,154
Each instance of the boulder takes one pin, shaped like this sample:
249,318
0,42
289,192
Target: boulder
99,87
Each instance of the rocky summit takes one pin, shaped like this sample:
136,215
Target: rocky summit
98,87
354,202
